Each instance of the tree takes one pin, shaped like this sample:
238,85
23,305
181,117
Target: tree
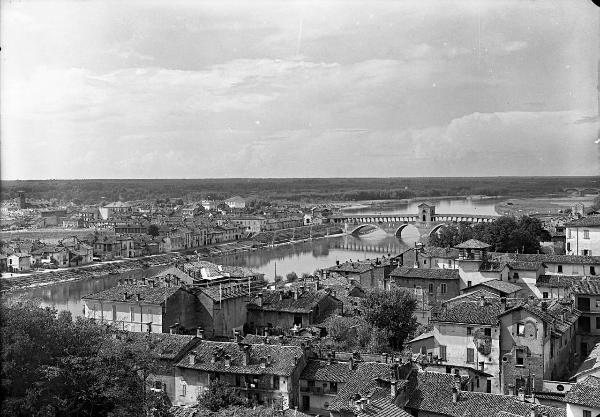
53,366
220,395
153,230
291,277
391,311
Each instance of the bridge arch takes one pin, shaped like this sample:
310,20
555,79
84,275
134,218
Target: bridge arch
436,228
398,232
361,226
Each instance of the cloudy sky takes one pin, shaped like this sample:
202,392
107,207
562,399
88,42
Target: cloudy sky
182,89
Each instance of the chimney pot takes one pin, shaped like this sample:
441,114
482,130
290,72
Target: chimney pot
455,395
125,296
192,358
263,362
200,332
521,394
393,388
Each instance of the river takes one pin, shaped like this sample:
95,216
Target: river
304,257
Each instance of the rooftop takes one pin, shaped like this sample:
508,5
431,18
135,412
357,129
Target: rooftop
128,294
473,244
503,287
426,273
282,301
585,393
320,370
212,357
591,363
589,221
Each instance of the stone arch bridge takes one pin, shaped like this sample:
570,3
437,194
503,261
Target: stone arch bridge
426,223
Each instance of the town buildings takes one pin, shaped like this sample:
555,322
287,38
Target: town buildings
583,399
583,236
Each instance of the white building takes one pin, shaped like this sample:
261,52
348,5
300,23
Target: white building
236,202
583,399
583,236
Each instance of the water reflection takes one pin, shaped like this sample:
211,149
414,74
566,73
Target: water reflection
301,258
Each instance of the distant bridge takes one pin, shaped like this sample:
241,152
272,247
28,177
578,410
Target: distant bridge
426,221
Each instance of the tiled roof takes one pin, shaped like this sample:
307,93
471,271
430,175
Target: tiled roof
362,382
282,358
547,258
426,273
590,363
272,301
558,281
433,394
551,313
525,266
352,267
437,252
148,294
502,286
470,311
472,244
589,221
160,345
585,393
318,370
587,287
382,406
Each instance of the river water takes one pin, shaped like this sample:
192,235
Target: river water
304,257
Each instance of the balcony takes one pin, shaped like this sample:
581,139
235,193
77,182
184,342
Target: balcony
319,390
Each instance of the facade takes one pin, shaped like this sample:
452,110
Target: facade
144,308
434,257
368,273
430,286
117,208
586,296
250,224
18,262
583,236
467,332
538,343
236,202
267,374
498,287
320,382
284,310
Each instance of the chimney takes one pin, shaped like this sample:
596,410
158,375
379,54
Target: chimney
200,332
246,355
259,299
329,359
173,328
457,381
269,360
192,357
368,398
393,388
295,360
301,289
482,301
455,395
125,296
521,394
280,295
384,357
227,361
263,362
295,294
237,336
351,363
137,297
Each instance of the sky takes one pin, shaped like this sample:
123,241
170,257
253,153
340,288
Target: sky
182,89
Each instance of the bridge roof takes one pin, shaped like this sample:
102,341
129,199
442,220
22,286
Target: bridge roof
473,244
425,273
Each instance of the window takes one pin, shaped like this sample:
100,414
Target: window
444,288
333,388
470,355
297,320
114,312
131,315
183,389
424,261
586,252
520,329
570,233
158,385
469,331
587,413
468,283
559,268
488,387
238,381
275,382
586,234
430,288
477,381
545,294
423,350
592,270
443,352
597,322
516,275
487,332
520,356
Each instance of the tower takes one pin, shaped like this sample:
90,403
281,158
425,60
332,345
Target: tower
21,201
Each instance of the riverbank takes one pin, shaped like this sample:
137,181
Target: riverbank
51,277
540,206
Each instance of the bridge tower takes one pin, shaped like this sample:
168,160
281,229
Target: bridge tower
426,212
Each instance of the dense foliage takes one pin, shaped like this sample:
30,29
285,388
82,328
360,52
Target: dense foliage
392,312
354,333
506,234
54,366
220,395
326,189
